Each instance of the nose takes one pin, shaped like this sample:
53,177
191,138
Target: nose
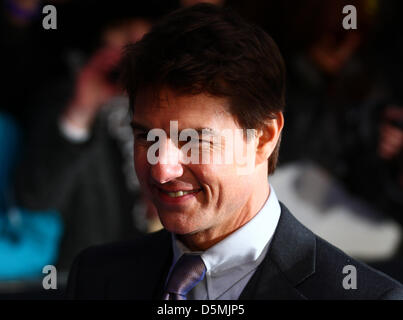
163,173
168,166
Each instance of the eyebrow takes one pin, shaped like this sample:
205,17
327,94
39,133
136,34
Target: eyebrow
200,130
208,131
138,126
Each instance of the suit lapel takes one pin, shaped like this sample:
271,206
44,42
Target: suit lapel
163,268
289,261
158,263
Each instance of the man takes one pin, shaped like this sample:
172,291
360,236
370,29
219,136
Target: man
204,74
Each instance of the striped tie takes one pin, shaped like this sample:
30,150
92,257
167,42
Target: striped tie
187,273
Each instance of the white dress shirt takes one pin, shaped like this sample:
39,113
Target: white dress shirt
231,262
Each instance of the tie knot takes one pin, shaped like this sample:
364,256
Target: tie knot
188,271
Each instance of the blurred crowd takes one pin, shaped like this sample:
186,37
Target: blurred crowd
66,172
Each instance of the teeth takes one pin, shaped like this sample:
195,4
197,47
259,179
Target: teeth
178,193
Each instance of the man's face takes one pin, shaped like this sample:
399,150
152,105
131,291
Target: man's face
218,196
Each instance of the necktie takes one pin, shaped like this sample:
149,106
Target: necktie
189,270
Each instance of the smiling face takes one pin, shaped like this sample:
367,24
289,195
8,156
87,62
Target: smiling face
202,202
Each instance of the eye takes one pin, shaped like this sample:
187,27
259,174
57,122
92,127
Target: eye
201,141
140,136
198,141
189,139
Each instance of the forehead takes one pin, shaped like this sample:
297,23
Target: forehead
156,110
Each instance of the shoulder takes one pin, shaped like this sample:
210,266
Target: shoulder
124,250
96,268
319,270
348,278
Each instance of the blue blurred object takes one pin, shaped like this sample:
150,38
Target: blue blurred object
10,144
29,240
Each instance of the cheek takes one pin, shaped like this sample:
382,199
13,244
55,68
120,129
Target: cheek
216,178
228,182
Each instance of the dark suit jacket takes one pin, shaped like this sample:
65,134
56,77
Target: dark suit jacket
298,265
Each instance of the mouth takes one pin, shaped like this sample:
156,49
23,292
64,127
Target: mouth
177,196
179,193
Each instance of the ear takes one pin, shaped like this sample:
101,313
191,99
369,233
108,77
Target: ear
268,137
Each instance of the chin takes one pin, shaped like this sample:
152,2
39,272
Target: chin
177,227
177,222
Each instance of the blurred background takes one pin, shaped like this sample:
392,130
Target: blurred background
66,175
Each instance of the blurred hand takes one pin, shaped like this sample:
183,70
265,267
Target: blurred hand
93,88
331,56
391,136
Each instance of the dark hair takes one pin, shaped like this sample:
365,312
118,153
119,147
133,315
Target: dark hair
207,49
